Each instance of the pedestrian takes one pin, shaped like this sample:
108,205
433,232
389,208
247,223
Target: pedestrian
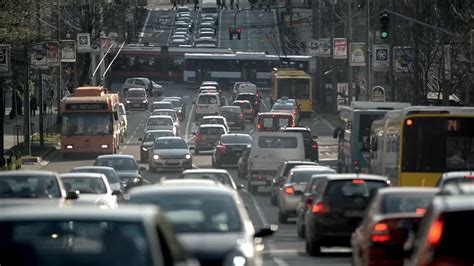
33,105
196,5
174,4
223,4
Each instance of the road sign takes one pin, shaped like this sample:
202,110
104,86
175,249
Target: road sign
53,54
358,54
5,66
68,51
39,55
83,42
377,94
340,48
325,47
313,47
381,57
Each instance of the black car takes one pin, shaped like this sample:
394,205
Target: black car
252,98
149,139
229,149
311,148
337,209
127,168
234,116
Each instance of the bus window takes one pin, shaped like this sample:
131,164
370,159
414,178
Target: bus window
365,124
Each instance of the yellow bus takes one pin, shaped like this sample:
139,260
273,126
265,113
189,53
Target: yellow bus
416,145
294,84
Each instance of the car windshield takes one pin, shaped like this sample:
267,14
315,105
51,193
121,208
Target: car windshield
243,105
235,109
216,120
94,242
85,123
406,202
211,130
196,213
161,112
207,99
166,105
176,103
305,176
119,164
160,121
29,186
277,142
306,134
220,177
284,107
166,144
230,139
110,174
85,185
151,136
353,188
248,97
136,93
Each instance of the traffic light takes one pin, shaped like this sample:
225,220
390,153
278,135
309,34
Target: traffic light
233,31
231,34
239,30
384,22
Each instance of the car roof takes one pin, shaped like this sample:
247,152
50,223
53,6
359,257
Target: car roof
241,101
306,168
136,89
161,101
88,175
189,186
170,137
296,129
43,212
247,93
28,173
108,156
213,117
335,177
456,174
208,93
296,161
159,116
212,125
164,110
230,107
206,170
407,190
275,114
93,167
237,134
158,131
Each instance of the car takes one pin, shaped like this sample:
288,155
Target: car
127,168
185,18
391,218
247,109
170,153
164,122
109,172
178,41
123,120
251,97
177,36
210,220
286,108
205,45
208,19
149,139
287,100
443,231
234,116
181,31
229,149
170,112
207,104
178,105
455,178
208,29
207,136
273,122
207,89
161,105
281,173
141,82
45,235
207,24
215,119
294,184
209,34
93,188
32,187
457,189
337,209
235,89
311,147
220,175
183,25
305,202
183,9
137,99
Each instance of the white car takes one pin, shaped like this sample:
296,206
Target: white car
94,189
215,119
178,41
207,34
157,122
140,82
170,112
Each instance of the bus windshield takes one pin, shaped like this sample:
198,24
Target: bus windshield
438,144
293,88
365,123
93,123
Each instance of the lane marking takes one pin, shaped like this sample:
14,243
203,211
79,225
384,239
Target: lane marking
188,123
141,124
220,31
248,35
262,217
144,26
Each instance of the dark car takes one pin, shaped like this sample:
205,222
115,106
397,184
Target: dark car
209,219
279,179
251,97
32,187
229,149
127,168
137,99
443,232
337,209
247,109
149,139
391,218
311,148
234,116
207,136
109,172
88,236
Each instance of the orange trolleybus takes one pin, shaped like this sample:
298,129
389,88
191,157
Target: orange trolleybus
90,123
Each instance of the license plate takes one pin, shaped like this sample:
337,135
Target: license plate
136,105
353,213
172,162
238,154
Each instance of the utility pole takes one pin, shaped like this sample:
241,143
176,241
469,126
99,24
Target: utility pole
349,41
2,117
26,91
369,53
333,61
60,69
40,93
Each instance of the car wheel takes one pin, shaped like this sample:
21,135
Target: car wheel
242,127
313,248
282,217
196,151
273,200
299,228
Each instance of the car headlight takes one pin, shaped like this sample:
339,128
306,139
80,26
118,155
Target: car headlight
144,101
136,180
69,147
104,146
235,259
156,157
144,149
128,101
188,156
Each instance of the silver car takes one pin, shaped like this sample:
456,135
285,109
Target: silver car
170,153
140,82
295,183
161,122
220,175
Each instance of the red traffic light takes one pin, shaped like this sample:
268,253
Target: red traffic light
239,30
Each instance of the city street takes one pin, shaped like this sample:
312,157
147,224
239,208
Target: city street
284,248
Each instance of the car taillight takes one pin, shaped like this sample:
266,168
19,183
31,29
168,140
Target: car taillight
259,126
221,147
309,201
380,233
198,137
241,115
469,176
420,210
358,181
435,233
289,190
319,208
314,146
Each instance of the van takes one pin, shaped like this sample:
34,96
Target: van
207,104
209,8
268,151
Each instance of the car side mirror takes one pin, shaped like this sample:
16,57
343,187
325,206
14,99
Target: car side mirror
140,139
240,186
127,112
309,201
266,231
72,195
116,193
141,169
